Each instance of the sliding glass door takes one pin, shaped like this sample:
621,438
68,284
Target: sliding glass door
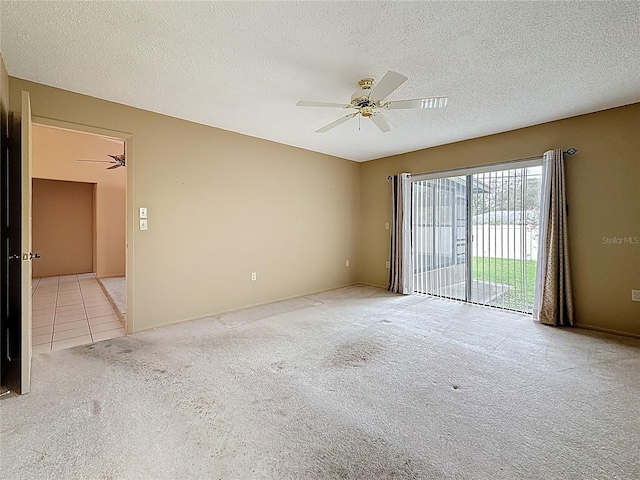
504,225
475,236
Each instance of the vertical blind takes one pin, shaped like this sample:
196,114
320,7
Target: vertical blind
475,236
439,237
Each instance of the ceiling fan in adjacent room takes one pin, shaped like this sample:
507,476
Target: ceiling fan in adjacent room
118,161
369,101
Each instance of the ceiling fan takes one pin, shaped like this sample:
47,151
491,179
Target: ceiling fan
369,100
118,161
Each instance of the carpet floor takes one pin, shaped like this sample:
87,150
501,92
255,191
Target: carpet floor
355,383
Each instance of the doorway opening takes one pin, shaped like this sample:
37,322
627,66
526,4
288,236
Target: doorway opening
79,184
475,234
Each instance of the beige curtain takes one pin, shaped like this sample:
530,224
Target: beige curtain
401,267
553,304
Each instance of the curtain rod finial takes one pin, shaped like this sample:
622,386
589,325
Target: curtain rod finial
571,151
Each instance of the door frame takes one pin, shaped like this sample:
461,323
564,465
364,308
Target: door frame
130,204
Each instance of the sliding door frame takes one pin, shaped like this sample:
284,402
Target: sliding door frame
469,242
489,167
468,173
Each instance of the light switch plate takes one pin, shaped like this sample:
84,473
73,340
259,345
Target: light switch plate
143,212
143,225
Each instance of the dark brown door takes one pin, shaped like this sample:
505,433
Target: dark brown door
11,308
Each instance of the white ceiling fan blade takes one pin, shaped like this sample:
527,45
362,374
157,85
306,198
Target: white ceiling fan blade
340,121
387,85
432,102
307,103
381,122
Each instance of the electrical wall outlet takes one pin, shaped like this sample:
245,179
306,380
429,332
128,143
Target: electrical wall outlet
386,226
387,264
346,264
254,276
635,295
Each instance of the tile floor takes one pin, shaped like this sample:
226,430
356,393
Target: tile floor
71,310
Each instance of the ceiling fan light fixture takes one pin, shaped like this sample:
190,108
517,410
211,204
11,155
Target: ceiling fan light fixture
366,111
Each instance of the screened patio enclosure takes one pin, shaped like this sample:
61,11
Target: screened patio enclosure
475,235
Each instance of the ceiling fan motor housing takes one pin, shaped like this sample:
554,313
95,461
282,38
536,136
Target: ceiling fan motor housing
358,100
361,100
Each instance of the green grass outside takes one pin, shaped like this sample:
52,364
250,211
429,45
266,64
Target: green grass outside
508,272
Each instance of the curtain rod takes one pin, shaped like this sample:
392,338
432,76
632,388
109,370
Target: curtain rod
569,151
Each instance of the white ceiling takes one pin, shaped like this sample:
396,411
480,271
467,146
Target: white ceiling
242,66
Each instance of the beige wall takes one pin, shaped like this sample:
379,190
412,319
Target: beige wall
221,205
603,190
54,156
62,227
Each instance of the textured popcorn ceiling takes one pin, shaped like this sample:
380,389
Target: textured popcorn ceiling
242,66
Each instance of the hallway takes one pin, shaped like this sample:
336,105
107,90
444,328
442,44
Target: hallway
71,310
